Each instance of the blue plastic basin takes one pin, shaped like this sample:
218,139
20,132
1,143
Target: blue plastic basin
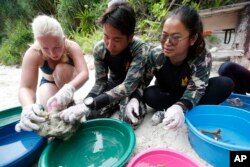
243,98
17,149
234,124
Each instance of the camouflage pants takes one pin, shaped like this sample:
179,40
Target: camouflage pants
104,112
119,106
122,113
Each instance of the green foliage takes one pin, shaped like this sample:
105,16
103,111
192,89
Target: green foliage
150,15
194,4
159,10
86,40
14,46
218,3
66,11
35,7
205,4
149,30
212,40
87,33
89,16
75,13
26,10
85,18
9,11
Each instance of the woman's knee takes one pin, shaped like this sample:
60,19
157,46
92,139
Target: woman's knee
145,95
151,96
219,88
225,68
63,73
46,91
228,82
222,83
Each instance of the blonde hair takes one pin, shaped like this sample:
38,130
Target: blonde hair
45,25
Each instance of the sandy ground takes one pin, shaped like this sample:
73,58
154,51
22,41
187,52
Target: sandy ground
147,136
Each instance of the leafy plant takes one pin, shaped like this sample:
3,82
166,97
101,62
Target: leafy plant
89,16
75,13
14,46
86,40
149,29
212,40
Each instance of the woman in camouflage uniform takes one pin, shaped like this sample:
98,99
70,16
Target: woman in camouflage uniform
119,63
181,67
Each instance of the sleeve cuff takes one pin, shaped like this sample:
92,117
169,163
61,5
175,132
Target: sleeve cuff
91,95
185,104
136,95
101,101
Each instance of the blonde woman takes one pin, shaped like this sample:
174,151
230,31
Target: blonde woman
62,67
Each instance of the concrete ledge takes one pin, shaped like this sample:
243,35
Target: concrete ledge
226,55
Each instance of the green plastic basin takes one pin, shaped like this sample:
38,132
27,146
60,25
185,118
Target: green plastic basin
100,142
10,115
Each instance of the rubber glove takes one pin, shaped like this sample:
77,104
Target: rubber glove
174,117
29,118
132,110
74,113
61,99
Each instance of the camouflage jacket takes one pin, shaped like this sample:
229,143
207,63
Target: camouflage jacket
139,52
200,66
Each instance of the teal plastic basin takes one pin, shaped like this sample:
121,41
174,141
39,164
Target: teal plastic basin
10,115
100,142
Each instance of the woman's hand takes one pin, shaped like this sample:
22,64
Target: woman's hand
61,99
174,117
29,118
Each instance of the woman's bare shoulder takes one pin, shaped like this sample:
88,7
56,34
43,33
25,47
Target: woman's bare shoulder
73,47
33,55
